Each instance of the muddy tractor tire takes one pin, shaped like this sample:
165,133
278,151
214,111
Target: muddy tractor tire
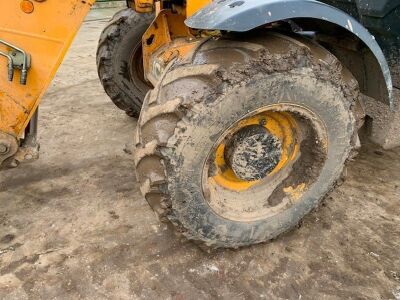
120,62
237,146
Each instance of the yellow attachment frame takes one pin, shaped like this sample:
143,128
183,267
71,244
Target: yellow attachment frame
45,32
44,29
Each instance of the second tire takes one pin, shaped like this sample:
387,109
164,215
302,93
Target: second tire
119,60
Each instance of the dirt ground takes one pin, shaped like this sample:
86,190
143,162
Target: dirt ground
74,225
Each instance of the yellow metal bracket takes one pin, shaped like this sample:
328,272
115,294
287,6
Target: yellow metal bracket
144,6
45,29
193,6
166,39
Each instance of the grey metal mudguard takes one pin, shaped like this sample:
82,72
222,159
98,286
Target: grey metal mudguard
239,16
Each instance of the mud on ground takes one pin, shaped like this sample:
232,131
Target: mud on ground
74,225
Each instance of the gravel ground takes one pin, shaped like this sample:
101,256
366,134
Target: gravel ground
74,225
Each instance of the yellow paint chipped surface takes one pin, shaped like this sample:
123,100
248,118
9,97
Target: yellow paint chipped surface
295,193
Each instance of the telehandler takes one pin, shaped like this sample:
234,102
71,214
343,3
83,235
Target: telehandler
247,109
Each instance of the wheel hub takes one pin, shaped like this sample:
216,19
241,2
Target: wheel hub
253,152
256,147
264,162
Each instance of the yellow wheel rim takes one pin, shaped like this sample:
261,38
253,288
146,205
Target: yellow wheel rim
282,150
281,125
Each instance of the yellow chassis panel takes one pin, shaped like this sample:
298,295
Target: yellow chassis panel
192,6
46,34
45,29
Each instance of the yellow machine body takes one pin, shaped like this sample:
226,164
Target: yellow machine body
45,29
45,33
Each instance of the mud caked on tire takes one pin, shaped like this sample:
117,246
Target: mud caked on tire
120,62
237,145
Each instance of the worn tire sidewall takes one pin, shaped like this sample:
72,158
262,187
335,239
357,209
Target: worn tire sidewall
201,131
129,39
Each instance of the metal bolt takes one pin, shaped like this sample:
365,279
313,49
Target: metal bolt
3,148
27,6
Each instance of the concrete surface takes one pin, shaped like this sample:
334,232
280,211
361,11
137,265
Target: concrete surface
109,4
73,224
